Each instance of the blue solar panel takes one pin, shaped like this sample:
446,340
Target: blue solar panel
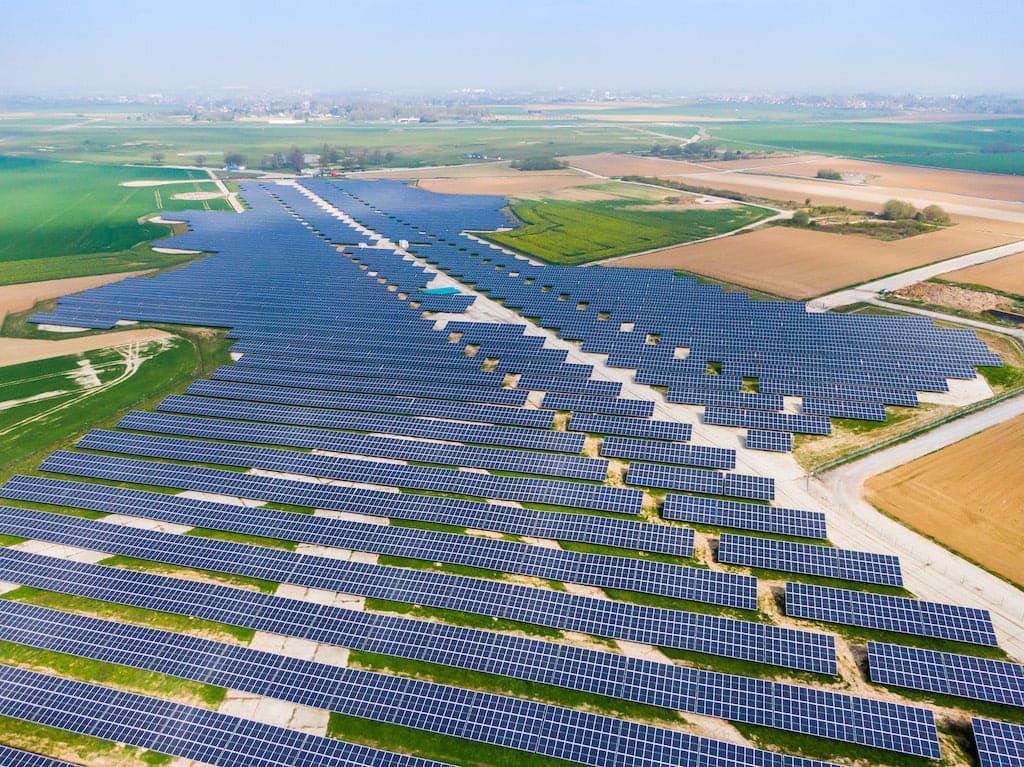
1000,744
965,676
667,452
887,613
823,561
772,441
597,423
745,516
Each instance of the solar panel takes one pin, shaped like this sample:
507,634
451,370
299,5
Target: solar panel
888,613
12,757
824,561
965,676
640,408
772,441
596,423
755,419
716,512
1000,744
864,411
667,452
454,512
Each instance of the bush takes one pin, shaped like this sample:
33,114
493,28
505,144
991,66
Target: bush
829,174
898,210
933,214
538,163
801,218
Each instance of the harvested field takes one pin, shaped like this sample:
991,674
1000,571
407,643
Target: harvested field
521,184
990,185
801,263
967,496
797,188
1006,274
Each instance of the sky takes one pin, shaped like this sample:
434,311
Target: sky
683,46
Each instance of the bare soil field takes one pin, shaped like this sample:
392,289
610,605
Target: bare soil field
967,496
1006,274
802,263
18,298
534,183
988,185
798,188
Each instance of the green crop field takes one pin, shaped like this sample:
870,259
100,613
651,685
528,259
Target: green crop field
60,219
995,146
562,232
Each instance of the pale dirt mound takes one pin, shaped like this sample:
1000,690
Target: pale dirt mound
198,196
17,350
1006,274
18,298
956,298
967,496
802,263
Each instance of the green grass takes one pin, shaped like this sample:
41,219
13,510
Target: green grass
61,744
813,747
956,145
194,354
69,219
567,233
176,571
457,618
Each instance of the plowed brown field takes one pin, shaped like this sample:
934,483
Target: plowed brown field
1006,274
802,263
967,496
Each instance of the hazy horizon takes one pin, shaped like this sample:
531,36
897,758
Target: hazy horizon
699,46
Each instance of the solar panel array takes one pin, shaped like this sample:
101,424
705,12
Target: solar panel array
383,698
639,408
888,613
772,441
378,473
667,452
717,512
966,676
700,481
454,512
808,559
1000,744
630,427
756,419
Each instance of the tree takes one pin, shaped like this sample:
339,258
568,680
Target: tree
898,210
200,160
234,158
296,158
801,218
829,174
158,157
933,214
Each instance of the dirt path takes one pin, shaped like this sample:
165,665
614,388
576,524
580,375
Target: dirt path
16,350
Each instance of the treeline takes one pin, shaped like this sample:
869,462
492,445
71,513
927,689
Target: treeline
329,157
538,163
692,189
694,150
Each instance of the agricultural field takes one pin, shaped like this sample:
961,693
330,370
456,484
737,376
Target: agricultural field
571,232
992,146
1005,275
803,263
68,219
967,496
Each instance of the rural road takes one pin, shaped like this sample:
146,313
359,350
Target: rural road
931,571
869,290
